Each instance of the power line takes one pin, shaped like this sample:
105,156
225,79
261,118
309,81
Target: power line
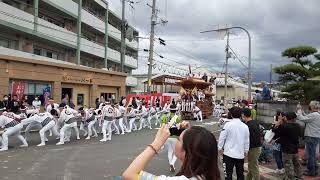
236,56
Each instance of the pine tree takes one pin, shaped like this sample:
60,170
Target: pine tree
305,64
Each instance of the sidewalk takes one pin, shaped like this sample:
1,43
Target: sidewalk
267,172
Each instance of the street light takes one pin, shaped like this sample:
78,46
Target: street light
249,58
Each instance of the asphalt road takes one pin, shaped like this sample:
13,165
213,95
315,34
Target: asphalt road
82,159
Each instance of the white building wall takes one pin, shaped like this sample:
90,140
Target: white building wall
26,20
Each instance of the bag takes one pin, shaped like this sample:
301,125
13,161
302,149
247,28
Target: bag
269,136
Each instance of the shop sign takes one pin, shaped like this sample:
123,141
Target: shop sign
171,81
77,79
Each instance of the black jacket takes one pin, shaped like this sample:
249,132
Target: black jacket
289,134
255,133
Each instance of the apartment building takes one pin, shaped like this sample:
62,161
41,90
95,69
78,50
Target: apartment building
69,46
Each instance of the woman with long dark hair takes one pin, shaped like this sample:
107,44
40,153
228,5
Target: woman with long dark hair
196,148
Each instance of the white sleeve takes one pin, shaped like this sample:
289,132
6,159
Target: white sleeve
223,137
148,176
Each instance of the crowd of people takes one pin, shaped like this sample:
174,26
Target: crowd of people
60,119
242,137
289,130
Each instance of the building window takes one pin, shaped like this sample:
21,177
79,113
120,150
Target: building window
45,52
7,43
80,99
51,20
33,89
49,54
4,43
37,51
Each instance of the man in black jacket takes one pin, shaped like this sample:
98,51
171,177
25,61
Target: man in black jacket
289,132
255,145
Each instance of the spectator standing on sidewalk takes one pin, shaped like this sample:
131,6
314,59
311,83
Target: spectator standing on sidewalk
312,135
234,144
289,132
255,145
277,152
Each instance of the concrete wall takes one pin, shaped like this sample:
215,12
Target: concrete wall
233,92
266,110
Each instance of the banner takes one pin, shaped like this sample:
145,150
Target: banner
46,95
151,98
18,89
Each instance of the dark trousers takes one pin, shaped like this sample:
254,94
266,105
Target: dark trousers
311,146
278,157
229,163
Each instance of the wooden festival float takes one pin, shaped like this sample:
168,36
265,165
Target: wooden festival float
196,91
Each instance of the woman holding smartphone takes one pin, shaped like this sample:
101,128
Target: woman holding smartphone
196,148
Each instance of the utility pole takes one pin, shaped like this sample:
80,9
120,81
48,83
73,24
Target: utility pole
150,61
123,37
249,53
270,74
78,52
226,72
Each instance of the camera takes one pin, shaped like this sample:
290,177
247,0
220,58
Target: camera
174,131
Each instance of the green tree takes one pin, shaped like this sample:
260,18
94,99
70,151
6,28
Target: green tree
294,76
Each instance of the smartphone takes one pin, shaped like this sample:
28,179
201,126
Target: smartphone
174,131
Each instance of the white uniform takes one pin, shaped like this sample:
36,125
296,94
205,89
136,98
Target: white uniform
153,115
122,119
166,107
36,104
197,113
12,128
144,116
69,116
32,125
52,106
107,118
132,118
92,120
84,124
47,123
178,108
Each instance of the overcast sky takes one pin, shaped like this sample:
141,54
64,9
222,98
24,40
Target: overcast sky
273,24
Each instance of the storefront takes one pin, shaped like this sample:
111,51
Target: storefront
43,78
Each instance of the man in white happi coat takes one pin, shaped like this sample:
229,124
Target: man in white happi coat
93,116
123,117
47,122
132,115
11,128
153,115
69,116
197,113
107,118
143,117
36,103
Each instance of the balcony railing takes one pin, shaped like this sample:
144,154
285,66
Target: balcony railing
17,17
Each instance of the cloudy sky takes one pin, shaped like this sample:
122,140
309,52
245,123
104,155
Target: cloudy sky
274,26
